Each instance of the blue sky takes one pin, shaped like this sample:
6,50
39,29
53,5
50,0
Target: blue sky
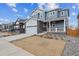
9,12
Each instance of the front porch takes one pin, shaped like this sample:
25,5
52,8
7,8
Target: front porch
55,26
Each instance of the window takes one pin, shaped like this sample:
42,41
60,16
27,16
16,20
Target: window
62,13
41,16
53,25
38,15
34,16
53,13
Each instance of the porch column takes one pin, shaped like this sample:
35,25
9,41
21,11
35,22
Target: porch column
49,26
64,26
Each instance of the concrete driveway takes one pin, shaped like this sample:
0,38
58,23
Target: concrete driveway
8,49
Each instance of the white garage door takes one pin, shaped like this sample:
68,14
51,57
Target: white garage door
31,30
31,27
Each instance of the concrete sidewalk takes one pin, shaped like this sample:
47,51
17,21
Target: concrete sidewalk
8,49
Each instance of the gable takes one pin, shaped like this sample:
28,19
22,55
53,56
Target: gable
37,11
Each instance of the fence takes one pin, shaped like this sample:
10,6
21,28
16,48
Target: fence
74,32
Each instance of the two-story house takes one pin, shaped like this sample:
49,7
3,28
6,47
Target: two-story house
55,20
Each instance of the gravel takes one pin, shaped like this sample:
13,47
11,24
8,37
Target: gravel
71,47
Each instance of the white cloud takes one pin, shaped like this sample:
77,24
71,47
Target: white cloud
69,18
77,4
41,5
73,13
11,4
19,15
53,5
26,10
4,21
48,6
14,9
74,7
28,17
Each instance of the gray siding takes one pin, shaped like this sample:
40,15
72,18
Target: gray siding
39,15
51,15
63,13
40,27
59,24
42,16
57,14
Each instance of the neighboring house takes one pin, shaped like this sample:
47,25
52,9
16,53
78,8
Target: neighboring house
19,26
0,27
7,27
55,20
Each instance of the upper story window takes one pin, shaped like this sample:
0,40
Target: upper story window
53,12
62,13
38,15
41,16
34,16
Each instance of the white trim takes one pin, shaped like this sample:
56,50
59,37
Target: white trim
49,26
56,29
64,26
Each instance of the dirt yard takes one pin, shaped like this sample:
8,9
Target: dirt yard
7,33
41,46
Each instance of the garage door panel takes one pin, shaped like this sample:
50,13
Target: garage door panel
31,30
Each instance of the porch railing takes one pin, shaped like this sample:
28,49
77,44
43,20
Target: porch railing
56,30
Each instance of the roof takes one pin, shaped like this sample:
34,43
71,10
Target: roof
21,20
37,9
54,10
28,19
57,9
